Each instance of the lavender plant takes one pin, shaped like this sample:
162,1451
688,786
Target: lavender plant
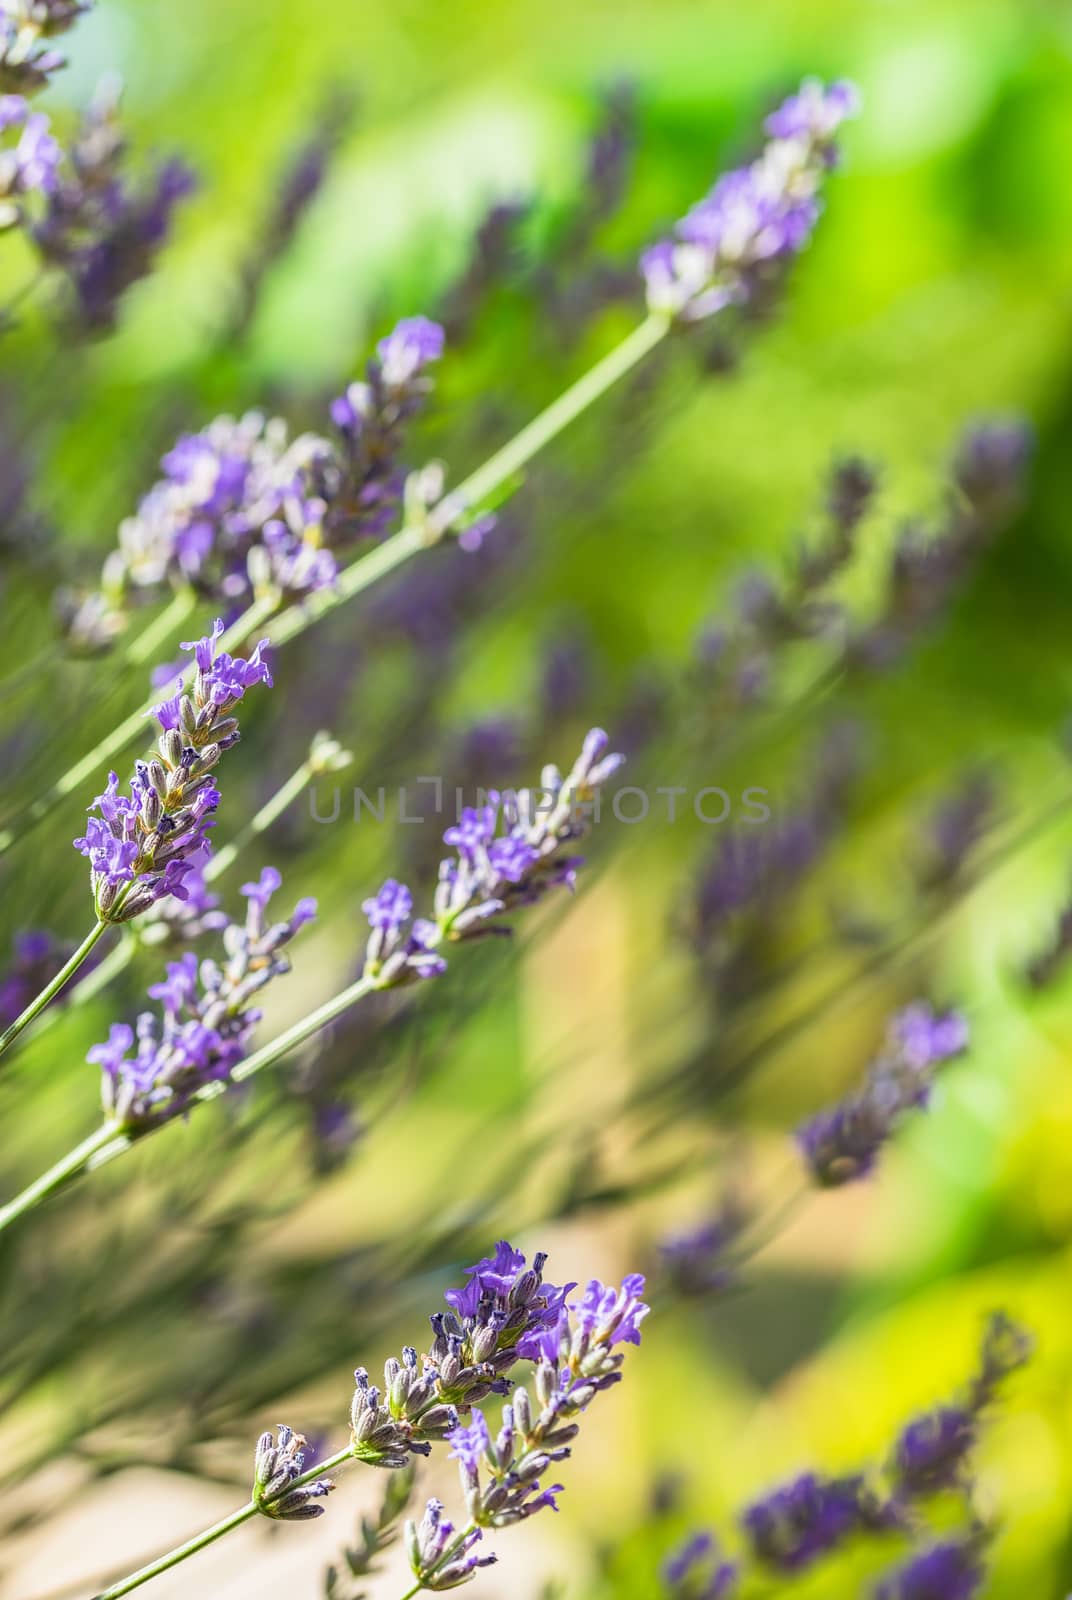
505,1315
784,186
507,857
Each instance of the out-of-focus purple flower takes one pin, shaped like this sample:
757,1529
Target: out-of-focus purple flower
30,165
27,60
700,1260
408,348
793,1525
754,216
990,463
37,957
842,1144
931,1450
952,1570
695,1571
206,1023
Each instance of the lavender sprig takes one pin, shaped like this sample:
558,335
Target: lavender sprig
398,951
756,217
141,845
842,1144
572,1344
207,1018
413,1413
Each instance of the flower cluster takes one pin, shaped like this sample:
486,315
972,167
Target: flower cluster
510,851
207,1018
278,1461
27,57
792,1527
242,507
842,1144
143,845
755,216
505,1307
387,1427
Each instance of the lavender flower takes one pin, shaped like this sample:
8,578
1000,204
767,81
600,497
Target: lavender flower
753,217
700,1260
794,1525
244,508
143,845
207,1018
695,1571
276,1464
509,1314
932,1450
493,872
952,1570
842,1144
440,1558
27,61
387,1428
27,167
368,485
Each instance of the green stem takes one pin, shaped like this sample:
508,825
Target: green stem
36,1006
112,1141
261,821
120,737
145,646
417,1587
474,490
73,1164
201,1541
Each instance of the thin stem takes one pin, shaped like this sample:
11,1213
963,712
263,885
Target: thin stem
145,645
417,1587
111,1140
201,1541
37,1005
261,821
474,490
120,737
74,1163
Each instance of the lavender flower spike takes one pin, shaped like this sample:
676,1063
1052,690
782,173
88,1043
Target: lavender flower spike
143,845
842,1144
276,1464
695,1571
754,217
207,1019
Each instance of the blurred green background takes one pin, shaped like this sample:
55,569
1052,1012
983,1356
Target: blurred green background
231,1273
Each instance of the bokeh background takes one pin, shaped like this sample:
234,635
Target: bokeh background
597,1085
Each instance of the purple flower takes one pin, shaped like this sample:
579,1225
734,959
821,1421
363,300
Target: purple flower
695,1571
468,1445
752,216
814,113
842,1144
409,347
390,908
931,1451
206,1022
952,1570
612,1316
793,1525
437,1558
